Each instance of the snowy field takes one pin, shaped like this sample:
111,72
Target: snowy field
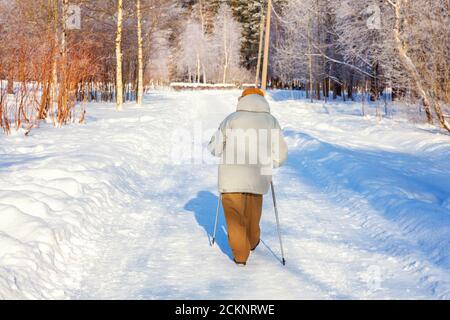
102,210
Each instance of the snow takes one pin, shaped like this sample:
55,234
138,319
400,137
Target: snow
102,210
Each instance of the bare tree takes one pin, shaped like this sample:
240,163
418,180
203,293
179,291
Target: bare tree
423,74
140,93
226,40
119,76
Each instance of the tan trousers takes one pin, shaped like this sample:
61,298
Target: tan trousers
243,215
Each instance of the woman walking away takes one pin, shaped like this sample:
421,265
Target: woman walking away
251,143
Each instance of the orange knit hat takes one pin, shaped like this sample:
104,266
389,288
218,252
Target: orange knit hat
250,91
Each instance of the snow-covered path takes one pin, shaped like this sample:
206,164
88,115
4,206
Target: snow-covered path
365,208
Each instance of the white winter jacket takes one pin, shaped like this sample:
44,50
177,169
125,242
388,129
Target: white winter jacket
250,143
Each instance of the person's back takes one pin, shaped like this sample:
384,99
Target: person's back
250,143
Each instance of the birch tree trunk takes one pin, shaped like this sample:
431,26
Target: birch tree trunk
266,47
198,67
204,74
119,83
402,50
62,55
202,17
65,9
225,49
261,40
54,80
140,93
310,62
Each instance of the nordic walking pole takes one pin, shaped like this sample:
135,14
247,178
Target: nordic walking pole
278,223
217,219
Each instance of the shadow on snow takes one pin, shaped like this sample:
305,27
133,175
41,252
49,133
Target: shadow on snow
204,208
411,191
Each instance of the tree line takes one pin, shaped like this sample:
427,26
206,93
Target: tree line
328,48
344,47
48,66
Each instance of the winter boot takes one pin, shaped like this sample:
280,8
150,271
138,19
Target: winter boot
256,245
240,264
